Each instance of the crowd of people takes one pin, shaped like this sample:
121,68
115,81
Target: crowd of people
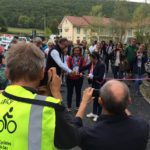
35,69
71,61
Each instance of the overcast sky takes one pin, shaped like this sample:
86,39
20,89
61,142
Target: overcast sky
139,1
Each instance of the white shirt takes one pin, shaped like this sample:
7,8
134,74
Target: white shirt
117,62
109,49
139,60
55,55
46,51
92,48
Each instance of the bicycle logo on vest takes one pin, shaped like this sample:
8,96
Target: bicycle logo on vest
11,125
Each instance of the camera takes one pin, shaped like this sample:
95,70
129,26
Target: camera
96,93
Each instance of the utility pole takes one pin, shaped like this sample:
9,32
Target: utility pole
44,22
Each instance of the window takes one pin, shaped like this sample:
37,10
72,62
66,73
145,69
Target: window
85,31
66,30
84,38
78,30
130,32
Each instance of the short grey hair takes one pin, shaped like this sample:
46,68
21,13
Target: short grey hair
24,61
110,101
37,40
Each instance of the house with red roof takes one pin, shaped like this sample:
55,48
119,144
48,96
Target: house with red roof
79,28
90,28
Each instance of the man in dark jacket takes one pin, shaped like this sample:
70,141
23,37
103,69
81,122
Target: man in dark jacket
115,130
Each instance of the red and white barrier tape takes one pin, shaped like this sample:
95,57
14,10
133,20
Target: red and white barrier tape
124,79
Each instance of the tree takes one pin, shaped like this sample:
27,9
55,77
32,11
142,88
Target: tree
96,25
121,18
53,25
23,21
47,32
96,10
140,14
11,10
31,21
140,18
3,25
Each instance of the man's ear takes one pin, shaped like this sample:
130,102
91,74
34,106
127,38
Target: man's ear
100,101
42,73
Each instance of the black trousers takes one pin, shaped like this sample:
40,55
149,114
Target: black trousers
70,87
107,60
131,67
97,109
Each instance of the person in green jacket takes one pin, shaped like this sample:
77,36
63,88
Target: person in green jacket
130,54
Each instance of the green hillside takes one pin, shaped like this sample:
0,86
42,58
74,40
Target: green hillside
31,13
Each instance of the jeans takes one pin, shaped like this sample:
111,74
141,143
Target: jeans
137,82
70,87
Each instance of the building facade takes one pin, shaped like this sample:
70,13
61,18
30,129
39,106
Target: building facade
74,28
90,28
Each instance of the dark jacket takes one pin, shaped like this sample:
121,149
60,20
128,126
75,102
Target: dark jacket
140,70
115,133
3,79
113,57
130,53
51,63
98,74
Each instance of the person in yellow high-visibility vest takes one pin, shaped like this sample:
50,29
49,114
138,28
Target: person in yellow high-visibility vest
29,121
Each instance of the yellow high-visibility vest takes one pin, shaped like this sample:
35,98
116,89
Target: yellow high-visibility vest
25,126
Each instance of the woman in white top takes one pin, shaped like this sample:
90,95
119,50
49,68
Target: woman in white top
116,58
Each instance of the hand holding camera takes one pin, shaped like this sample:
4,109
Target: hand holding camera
54,83
96,93
87,95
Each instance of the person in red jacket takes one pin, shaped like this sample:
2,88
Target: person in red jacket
75,62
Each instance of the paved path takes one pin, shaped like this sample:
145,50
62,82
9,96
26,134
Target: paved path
139,106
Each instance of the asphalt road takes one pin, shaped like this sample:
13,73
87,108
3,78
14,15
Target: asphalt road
139,107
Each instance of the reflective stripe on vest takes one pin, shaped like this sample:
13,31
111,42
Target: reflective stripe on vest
35,123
